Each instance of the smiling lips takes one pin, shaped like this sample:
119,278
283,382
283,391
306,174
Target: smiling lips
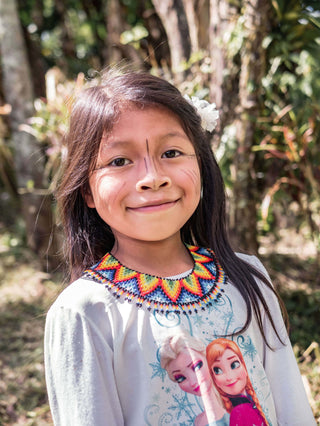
232,384
153,206
197,389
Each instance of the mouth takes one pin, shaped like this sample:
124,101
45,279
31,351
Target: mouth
232,384
197,389
153,206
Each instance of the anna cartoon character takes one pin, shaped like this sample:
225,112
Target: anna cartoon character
184,359
230,376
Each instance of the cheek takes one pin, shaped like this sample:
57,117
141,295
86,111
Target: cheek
193,177
184,386
114,193
105,190
191,173
243,376
191,180
219,380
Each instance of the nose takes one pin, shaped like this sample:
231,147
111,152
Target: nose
230,378
152,179
193,380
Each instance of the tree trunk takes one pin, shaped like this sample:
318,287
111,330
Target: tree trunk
67,42
33,47
223,17
256,15
203,14
29,160
114,30
115,26
193,24
173,17
95,11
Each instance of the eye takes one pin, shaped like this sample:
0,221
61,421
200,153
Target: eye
197,366
171,153
217,370
235,364
119,162
180,378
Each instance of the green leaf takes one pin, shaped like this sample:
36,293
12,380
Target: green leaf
136,33
314,21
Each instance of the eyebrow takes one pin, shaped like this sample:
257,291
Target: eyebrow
115,144
175,134
229,357
127,143
177,371
165,136
232,357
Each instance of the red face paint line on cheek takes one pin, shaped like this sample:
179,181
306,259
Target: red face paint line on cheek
192,175
113,194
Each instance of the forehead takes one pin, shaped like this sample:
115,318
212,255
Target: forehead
186,357
137,125
228,355
149,119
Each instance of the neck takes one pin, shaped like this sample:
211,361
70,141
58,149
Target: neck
161,258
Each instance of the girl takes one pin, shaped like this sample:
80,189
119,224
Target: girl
184,358
143,207
230,376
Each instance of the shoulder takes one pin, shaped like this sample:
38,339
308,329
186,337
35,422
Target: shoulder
258,266
255,262
272,300
83,297
267,290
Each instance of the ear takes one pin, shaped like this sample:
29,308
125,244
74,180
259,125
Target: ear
88,198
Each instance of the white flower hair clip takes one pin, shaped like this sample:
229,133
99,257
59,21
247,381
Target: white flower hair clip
208,112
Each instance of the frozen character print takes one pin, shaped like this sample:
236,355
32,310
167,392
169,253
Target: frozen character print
230,376
184,358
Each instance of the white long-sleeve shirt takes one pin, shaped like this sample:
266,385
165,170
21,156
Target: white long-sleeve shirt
102,353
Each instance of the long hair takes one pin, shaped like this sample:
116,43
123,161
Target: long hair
88,237
215,350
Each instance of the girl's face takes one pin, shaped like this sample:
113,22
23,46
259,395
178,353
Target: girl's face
190,370
229,374
147,179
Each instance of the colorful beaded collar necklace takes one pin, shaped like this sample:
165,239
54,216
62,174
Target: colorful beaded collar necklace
187,294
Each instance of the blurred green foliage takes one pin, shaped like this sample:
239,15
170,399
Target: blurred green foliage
73,36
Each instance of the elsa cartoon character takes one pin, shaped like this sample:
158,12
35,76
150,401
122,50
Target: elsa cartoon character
230,376
184,359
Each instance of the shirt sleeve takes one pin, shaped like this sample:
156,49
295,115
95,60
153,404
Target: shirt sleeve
281,368
79,371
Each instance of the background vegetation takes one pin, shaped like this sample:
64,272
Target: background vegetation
258,60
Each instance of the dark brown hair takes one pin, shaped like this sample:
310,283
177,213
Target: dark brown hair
89,237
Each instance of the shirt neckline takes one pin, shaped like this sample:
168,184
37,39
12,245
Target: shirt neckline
200,287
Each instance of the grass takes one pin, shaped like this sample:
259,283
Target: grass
26,293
